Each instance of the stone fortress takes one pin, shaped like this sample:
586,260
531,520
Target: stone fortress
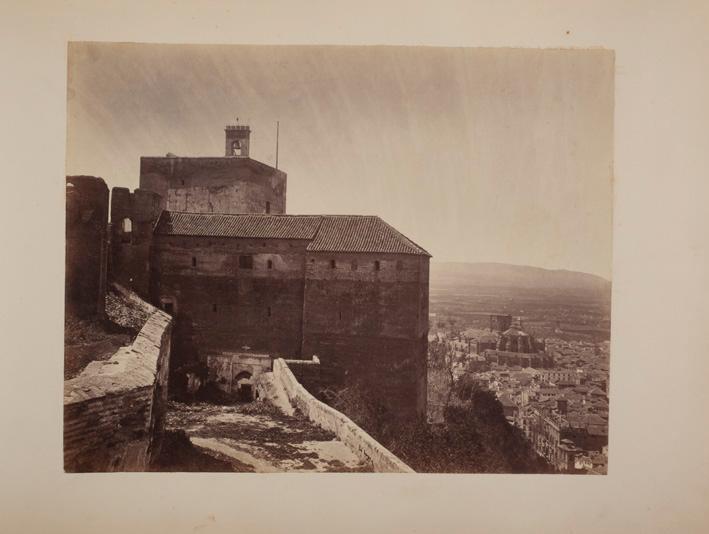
208,240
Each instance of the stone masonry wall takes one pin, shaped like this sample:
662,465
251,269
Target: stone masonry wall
86,245
214,184
366,317
114,410
361,443
221,306
130,251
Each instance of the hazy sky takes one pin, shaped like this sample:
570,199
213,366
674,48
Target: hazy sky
500,155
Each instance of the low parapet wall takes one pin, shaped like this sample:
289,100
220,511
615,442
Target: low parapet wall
362,444
308,373
114,410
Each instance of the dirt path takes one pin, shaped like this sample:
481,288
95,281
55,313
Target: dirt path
254,437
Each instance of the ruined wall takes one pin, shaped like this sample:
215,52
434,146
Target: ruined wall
131,241
215,185
221,306
367,317
114,410
86,245
361,443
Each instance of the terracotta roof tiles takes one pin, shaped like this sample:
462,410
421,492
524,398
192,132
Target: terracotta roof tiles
360,233
326,233
246,226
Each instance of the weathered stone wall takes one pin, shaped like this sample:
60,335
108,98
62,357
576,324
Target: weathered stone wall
361,443
226,370
214,185
130,251
365,324
114,410
222,307
367,318
86,245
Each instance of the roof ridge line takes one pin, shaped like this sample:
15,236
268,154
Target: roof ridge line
406,238
200,213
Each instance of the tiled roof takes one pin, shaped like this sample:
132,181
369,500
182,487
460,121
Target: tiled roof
326,233
246,226
361,233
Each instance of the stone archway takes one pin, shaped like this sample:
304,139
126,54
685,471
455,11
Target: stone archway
243,386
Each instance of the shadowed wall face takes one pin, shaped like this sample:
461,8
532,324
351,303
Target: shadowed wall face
365,315
229,293
86,245
132,218
366,318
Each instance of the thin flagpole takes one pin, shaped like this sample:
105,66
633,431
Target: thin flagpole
278,124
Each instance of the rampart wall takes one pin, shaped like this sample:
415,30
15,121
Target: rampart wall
133,216
310,374
361,443
114,410
86,245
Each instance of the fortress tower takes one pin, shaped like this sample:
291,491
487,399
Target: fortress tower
234,183
237,139
207,239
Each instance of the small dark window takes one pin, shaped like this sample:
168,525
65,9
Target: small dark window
377,265
268,207
354,265
269,264
194,261
214,307
312,260
333,264
268,311
182,182
246,262
340,315
168,307
399,265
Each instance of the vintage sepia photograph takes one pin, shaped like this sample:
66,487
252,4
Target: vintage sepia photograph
369,259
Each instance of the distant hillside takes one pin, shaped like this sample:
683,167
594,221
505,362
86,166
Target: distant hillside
515,276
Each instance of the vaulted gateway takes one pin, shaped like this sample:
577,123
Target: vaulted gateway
234,374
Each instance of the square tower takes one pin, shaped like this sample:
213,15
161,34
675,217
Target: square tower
237,140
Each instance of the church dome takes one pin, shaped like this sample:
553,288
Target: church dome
514,339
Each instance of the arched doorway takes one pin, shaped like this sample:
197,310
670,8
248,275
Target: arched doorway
243,386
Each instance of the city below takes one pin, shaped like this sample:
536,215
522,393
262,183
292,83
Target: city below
551,378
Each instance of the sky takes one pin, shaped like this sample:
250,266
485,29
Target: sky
476,154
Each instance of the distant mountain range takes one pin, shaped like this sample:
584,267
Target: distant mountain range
514,276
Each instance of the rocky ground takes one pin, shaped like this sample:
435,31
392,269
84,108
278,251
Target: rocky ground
87,340
249,437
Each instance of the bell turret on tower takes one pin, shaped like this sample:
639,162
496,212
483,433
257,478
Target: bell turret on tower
237,140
